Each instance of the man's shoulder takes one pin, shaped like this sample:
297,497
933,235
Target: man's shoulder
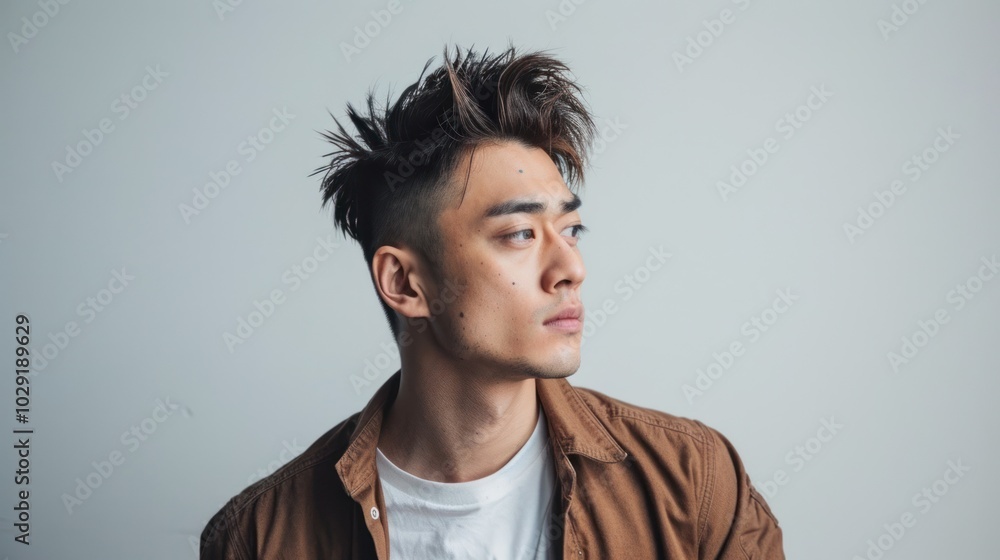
694,453
702,462
271,499
644,421
317,460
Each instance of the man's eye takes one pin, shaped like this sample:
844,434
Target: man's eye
517,233
578,230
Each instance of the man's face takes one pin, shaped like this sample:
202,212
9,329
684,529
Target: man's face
511,244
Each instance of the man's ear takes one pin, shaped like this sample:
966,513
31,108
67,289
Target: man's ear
401,281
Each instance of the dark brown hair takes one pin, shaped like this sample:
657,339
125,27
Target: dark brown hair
390,179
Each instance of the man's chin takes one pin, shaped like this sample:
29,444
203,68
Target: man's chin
559,374
564,367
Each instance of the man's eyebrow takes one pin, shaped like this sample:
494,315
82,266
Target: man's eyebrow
521,206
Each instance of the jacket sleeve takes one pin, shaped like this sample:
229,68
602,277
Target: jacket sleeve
735,521
220,538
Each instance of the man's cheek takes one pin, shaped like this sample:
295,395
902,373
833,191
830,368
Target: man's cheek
419,326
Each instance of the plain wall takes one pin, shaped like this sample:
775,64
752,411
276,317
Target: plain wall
684,92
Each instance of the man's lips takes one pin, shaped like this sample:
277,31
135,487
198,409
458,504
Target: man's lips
568,317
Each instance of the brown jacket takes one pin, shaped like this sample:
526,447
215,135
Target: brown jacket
634,483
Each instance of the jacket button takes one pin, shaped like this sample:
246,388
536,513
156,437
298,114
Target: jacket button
374,513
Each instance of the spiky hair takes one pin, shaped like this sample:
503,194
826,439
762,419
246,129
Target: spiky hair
389,181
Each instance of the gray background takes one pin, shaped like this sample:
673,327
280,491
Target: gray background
680,126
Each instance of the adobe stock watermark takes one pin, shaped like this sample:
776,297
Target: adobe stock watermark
88,309
564,10
626,287
123,105
288,452
752,330
423,149
132,439
698,43
30,27
788,125
913,168
364,34
249,149
293,277
927,329
924,500
898,17
387,361
225,7
802,454
608,131
211,531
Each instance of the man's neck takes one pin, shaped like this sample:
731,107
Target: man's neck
455,428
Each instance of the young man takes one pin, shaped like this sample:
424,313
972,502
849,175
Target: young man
478,447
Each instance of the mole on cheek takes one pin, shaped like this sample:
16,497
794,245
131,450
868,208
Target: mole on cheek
461,314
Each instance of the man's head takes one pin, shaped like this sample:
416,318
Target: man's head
432,187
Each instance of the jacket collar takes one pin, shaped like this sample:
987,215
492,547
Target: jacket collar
572,423
573,429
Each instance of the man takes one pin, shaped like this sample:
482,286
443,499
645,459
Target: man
478,447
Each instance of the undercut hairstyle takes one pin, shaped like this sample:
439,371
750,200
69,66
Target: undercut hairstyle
389,181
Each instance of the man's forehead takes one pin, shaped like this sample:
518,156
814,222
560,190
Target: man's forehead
509,178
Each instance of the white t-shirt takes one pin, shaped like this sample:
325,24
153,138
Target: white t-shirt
503,516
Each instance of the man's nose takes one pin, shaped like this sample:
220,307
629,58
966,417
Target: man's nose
565,265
